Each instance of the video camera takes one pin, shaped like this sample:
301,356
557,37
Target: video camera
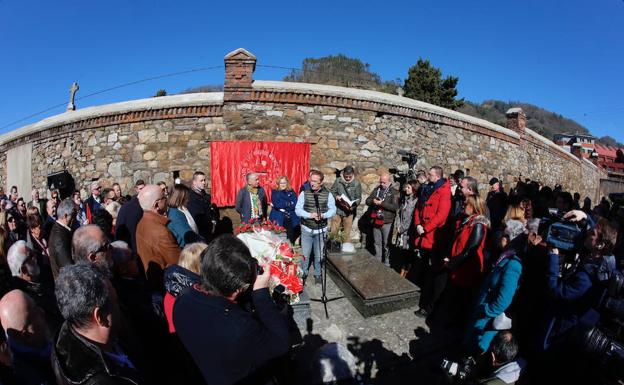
404,176
561,233
604,342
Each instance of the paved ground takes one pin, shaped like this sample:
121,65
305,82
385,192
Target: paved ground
392,348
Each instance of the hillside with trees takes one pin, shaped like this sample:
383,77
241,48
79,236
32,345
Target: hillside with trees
540,120
424,82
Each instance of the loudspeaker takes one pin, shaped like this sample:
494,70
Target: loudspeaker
62,181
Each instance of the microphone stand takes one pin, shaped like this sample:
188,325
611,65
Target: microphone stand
322,242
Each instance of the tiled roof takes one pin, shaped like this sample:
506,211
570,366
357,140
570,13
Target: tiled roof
606,150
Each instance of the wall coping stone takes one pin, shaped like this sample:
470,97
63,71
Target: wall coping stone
216,98
184,100
378,97
589,162
550,144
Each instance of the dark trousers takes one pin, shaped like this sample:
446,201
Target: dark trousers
292,232
455,307
434,279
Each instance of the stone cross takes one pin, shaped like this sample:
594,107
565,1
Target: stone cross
72,95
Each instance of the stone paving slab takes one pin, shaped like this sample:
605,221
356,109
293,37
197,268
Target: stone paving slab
378,342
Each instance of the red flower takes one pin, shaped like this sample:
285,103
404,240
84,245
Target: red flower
293,283
286,251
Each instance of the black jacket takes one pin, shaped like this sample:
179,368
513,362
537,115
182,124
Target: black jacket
177,279
44,298
46,228
497,205
59,248
127,220
77,360
236,347
199,205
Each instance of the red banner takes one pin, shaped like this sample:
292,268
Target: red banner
231,161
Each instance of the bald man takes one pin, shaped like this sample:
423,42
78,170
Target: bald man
383,204
156,246
90,244
28,337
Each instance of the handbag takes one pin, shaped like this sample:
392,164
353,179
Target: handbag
377,217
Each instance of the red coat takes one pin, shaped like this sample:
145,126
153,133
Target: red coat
432,216
469,273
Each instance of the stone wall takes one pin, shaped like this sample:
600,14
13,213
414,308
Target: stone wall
150,139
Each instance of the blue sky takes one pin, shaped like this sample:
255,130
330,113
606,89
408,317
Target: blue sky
564,56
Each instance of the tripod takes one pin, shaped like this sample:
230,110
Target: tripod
322,240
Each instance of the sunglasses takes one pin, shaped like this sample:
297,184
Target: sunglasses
104,248
11,220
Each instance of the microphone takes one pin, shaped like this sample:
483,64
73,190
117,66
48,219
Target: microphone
317,205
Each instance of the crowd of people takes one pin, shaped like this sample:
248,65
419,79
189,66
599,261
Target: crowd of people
147,287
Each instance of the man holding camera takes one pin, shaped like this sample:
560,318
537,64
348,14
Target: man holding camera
348,193
383,204
574,297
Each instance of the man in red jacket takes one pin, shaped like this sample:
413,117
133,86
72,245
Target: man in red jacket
432,210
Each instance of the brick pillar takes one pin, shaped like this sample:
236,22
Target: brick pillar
239,68
516,120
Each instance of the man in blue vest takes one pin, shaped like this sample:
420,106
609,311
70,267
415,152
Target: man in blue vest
315,206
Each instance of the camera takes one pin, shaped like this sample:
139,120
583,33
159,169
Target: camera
460,371
560,233
612,302
605,348
405,176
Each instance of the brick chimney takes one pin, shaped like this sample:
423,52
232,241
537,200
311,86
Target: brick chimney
516,120
239,68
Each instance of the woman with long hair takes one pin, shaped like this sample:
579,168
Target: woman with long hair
181,223
466,263
283,202
38,244
404,226
516,212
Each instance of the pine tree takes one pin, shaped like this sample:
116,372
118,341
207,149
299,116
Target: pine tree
424,82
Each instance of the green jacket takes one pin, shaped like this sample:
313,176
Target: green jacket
353,190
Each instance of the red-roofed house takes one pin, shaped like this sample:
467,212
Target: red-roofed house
611,159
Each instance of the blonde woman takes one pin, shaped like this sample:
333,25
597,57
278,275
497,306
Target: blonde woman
283,202
181,276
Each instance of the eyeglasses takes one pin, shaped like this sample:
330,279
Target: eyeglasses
11,220
104,248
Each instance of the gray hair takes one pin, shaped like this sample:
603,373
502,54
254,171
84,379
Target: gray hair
121,253
81,288
514,228
66,207
84,244
16,256
249,176
113,208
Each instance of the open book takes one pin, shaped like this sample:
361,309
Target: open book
348,201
